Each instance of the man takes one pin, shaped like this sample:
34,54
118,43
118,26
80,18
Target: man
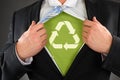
26,52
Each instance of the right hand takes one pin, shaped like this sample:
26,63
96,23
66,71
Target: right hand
32,41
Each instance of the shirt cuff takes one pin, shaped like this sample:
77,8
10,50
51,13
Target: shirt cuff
27,61
103,56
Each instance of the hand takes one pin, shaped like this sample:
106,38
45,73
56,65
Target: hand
96,36
32,41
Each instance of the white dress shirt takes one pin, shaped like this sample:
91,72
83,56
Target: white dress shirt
75,8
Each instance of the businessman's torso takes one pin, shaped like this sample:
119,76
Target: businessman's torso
87,64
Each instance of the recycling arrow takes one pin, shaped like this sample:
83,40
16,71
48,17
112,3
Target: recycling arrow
66,46
53,36
76,38
59,26
70,46
69,26
57,46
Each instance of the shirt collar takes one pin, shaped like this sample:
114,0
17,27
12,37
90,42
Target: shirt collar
69,3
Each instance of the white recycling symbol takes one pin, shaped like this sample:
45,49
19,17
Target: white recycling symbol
71,31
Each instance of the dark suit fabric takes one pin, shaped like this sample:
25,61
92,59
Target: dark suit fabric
88,64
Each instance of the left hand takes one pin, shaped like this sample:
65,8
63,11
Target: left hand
96,36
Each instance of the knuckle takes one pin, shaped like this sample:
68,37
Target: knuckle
84,22
95,24
90,32
40,25
44,30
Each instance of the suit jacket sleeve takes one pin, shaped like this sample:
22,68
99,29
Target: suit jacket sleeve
12,69
112,61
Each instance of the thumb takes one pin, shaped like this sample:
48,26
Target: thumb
32,24
95,20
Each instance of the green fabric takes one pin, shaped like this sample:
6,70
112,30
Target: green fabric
64,39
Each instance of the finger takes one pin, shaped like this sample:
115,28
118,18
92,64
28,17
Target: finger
85,35
32,24
44,42
43,38
84,38
39,27
88,23
95,20
86,29
41,32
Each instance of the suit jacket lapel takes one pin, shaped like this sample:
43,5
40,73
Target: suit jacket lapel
91,8
35,12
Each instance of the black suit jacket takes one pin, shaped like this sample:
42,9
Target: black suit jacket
87,65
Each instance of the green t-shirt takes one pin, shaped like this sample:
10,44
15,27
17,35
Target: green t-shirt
64,39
